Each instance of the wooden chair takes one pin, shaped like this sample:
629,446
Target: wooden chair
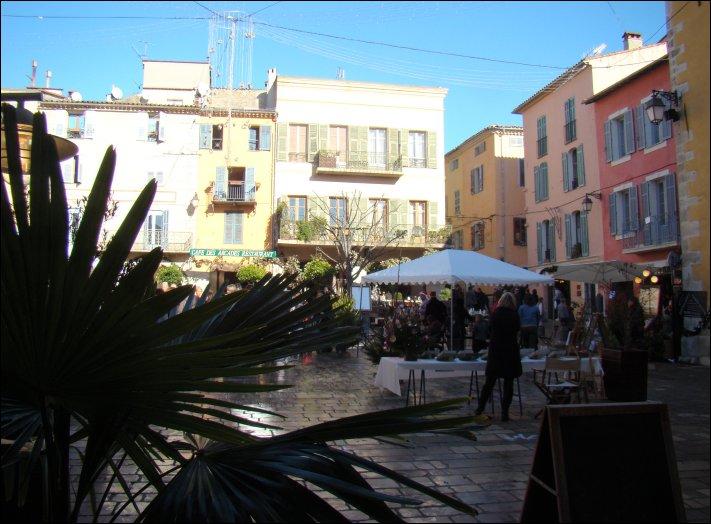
591,382
558,380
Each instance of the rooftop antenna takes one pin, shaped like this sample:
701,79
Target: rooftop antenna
33,78
341,74
143,55
48,77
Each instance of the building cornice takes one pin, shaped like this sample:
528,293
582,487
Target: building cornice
491,129
152,108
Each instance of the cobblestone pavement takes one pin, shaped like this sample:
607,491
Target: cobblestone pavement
492,472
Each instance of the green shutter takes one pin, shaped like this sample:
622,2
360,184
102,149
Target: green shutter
353,153
397,214
249,187
313,142
539,243
363,144
432,215
581,166
568,237
393,146
323,138
404,145
265,138
544,169
584,240
537,183
282,143
431,150
551,235
220,182
566,173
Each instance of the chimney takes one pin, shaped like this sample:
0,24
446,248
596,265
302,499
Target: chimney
48,76
271,77
632,40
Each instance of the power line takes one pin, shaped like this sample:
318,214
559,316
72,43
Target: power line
668,20
207,8
106,17
265,8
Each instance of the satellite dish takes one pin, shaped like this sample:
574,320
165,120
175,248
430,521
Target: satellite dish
75,96
202,88
116,93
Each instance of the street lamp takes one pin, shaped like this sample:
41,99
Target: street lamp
657,110
587,203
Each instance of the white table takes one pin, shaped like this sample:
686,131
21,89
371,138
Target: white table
392,370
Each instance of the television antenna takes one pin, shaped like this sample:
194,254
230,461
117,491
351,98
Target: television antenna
143,55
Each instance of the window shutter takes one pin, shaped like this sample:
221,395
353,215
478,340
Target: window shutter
432,222
353,144
205,136
89,117
640,118
249,188
613,213
78,166
362,144
431,150
566,173
393,146
472,180
265,138
404,144
646,224
537,183
238,227
544,180
581,165
164,232
229,228
665,129
568,237
142,126
629,132
146,233
68,171
481,178
551,236
608,141
162,127
670,188
322,137
313,142
634,211
539,243
220,182
318,207
584,240
282,142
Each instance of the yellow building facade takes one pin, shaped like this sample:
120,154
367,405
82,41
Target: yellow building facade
235,197
485,184
688,37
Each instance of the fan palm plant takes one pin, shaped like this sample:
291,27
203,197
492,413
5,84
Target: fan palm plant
101,368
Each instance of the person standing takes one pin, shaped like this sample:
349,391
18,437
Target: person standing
471,301
459,315
436,308
530,317
636,322
565,319
482,299
504,360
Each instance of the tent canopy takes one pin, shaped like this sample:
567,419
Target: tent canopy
598,272
452,266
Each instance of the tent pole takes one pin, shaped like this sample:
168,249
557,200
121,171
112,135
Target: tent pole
451,319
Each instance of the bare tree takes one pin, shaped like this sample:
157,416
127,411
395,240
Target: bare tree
358,230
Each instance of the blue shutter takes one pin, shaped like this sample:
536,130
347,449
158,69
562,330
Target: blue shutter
539,243
634,211
205,136
220,182
544,180
265,138
249,188
566,173
164,232
646,224
239,226
581,165
672,219
584,237
568,237
229,226
641,116
613,213
629,132
537,183
665,129
608,142
551,236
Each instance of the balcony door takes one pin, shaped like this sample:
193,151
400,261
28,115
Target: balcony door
338,143
155,231
377,147
418,218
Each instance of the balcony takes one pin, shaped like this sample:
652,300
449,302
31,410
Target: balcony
364,164
657,232
314,232
235,194
171,242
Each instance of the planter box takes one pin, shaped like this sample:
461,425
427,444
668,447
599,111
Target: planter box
625,374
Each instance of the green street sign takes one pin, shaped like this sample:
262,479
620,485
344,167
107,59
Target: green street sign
232,253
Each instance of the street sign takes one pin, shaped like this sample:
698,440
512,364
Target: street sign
249,253
692,304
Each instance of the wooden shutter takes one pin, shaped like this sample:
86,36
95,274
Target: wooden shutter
67,167
228,237
432,222
539,243
318,207
142,126
613,213
77,170
608,141
146,232
581,165
162,125
362,143
393,146
544,180
239,226
404,145
568,237
646,223
322,137
312,141
566,173
584,236
537,183
431,150
472,181
397,214
265,138
481,178
665,129
672,218
282,142
89,124
551,236
641,116
353,151
249,187
633,211
164,233
220,182
205,136
628,123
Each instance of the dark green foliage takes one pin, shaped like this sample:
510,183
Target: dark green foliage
317,269
250,274
93,361
170,274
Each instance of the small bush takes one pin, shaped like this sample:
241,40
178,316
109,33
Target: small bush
317,269
250,274
170,274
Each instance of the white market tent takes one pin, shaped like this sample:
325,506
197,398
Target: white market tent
598,272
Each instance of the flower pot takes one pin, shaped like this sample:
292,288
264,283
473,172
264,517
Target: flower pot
625,375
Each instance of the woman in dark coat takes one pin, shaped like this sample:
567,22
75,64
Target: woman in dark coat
504,360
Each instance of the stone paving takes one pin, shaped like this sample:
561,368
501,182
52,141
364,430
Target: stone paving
492,472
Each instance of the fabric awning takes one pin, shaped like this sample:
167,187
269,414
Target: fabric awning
597,272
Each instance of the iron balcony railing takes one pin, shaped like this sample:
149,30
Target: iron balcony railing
170,241
339,161
317,232
654,231
234,193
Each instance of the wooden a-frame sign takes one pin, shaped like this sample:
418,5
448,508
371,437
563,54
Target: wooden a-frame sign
604,463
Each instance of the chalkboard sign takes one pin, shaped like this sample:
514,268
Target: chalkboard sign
604,463
361,298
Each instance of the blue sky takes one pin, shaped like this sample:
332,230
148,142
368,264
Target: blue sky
89,55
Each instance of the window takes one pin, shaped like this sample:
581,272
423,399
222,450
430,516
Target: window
379,209
519,226
454,164
659,210
573,169
477,179
457,204
337,211
570,131
416,149
479,148
76,127
542,140
576,235
540,179
623,211
338,142
457,240
71,170
260,138
297,142
516,141
377,147
521,173
297,208
478,236
649,134
153,125
545,236
619,136
418,217
211,136
155,231
233,227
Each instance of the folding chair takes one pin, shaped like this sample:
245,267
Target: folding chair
591,382
558,390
